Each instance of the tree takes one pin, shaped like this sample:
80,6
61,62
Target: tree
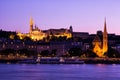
44,53
26,38
16,37
112,53
90,53
53,53
27,52
75,51
8,51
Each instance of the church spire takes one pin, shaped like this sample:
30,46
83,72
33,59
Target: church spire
105,38
31,24
100,49
31,21
105,29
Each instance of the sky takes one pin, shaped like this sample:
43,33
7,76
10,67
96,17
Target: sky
83,15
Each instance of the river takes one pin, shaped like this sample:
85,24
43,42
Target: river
59,72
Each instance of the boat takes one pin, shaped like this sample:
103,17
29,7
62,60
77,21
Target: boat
57,60
72,61
52,60
47,60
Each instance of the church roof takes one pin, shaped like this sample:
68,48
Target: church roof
96,39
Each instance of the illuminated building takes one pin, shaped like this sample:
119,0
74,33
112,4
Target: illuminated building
59,33
36,34
100,48
97,46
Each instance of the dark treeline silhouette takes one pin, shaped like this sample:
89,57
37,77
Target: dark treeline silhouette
6,34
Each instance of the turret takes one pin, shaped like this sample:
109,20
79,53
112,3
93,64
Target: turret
71,29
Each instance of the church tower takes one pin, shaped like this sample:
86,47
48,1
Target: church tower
105,39
31,24
97,46
100,48
71,29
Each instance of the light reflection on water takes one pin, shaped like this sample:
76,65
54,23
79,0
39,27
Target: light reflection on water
59,72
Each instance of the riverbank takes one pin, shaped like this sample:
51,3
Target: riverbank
65,61
101,60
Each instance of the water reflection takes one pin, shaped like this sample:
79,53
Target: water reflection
59,72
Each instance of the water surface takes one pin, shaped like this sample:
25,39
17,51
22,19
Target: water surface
59,72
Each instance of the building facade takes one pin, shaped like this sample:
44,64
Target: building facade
101,47
36,34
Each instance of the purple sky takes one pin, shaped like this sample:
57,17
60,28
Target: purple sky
83,15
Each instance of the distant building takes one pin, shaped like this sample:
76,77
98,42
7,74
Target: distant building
58,33
36,34
60,48
43,46
101,47
17,44
100,33
82,35
97,43
82,40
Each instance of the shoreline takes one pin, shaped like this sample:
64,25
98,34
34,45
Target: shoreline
83,61
101,60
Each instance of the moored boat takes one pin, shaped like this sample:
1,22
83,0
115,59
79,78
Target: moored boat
52,60
57,60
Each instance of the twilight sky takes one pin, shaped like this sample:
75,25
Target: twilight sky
83,15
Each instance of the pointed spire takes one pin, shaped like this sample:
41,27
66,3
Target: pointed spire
31,21
105,39
105,29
